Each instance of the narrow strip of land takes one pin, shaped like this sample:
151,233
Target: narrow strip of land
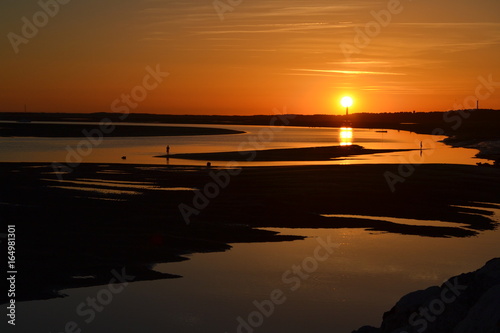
290,154
110,130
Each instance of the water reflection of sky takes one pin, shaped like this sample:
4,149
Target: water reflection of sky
141,150
362,278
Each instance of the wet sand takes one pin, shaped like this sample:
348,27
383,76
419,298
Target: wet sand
66,232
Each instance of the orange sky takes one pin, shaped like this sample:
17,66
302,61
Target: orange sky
422,55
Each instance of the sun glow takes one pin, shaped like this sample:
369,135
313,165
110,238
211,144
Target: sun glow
346,101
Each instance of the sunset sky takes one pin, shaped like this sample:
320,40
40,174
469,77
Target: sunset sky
258,55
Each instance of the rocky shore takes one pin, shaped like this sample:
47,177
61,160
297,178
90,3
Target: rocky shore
467,303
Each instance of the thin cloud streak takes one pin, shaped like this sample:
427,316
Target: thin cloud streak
336,71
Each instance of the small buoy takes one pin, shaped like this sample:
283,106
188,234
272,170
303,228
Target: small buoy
124,157
209,164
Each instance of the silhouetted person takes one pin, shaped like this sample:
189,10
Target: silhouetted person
168,150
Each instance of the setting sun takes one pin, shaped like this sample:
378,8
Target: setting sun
346,101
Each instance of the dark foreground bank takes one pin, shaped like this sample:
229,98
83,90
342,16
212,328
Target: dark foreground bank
467,303
105,217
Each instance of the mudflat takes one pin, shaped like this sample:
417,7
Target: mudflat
109,216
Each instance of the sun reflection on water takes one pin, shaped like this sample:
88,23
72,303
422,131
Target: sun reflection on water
345,136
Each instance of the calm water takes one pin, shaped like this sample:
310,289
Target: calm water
354,286
141,150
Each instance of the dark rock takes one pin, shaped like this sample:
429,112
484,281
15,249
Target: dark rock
465,303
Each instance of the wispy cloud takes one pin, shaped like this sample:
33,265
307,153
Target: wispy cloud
336,71
270,28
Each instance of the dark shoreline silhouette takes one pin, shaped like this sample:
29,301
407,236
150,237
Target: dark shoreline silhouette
479,124
65,232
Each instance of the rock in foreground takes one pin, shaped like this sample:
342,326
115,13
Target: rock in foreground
467,303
